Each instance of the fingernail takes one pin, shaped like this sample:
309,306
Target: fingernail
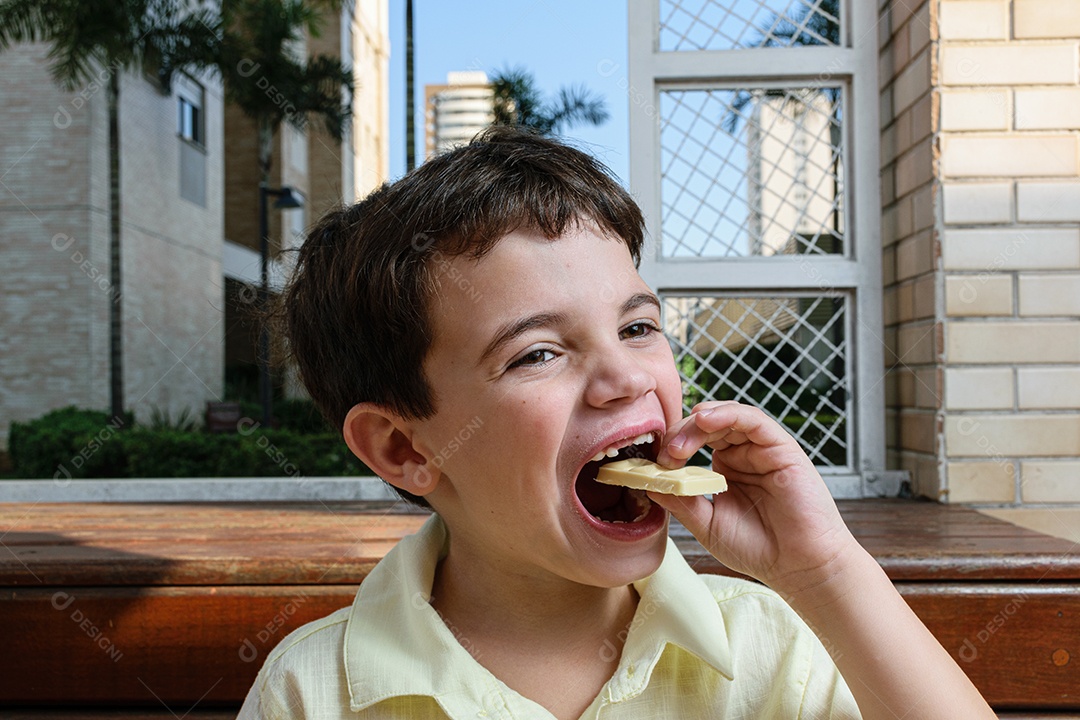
678,442
706,413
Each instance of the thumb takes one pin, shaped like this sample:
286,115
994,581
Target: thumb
693,511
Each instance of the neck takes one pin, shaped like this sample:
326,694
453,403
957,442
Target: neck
491,606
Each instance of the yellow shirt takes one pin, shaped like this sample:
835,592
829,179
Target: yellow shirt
698,647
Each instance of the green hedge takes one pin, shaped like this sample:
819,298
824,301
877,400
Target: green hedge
69,443
72,443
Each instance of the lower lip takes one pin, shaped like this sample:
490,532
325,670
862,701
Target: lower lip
648,526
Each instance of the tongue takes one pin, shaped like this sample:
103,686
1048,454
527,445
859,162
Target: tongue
609,503
597,497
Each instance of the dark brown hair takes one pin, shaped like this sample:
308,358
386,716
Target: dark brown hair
355,315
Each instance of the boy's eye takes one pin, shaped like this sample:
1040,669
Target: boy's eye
536,357
638,329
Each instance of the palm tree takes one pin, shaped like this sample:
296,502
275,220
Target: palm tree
252,45
86,40
410,91
519,102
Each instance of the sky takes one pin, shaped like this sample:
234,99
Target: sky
562,42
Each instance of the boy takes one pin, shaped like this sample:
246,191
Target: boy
480,332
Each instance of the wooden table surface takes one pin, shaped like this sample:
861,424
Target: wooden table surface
178,604
338,543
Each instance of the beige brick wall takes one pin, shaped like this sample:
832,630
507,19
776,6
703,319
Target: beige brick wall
54,311
909,114
1003,249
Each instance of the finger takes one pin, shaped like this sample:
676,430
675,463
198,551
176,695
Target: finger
675,455
749,424
709,404
694,512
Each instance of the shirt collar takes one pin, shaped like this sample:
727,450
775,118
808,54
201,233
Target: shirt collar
675,607
396,643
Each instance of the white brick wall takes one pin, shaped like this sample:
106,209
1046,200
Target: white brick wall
1046,388
989,388
1050,294
1008,87
1009,156
1029,341
1048,109
1011,249
974,20
1048,202
1047,18
975,110
979,295
997,436
978,203
1042,64
1050,481
982,482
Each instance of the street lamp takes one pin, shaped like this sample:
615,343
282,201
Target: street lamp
286,199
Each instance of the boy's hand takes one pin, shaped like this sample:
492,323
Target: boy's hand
777,521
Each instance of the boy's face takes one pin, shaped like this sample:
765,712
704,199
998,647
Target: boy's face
547,353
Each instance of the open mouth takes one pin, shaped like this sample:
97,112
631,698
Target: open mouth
611,503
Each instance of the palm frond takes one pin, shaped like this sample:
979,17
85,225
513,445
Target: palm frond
576,105
518,101
817,24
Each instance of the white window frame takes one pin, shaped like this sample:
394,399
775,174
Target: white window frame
855,274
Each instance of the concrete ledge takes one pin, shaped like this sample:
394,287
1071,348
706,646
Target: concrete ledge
252,489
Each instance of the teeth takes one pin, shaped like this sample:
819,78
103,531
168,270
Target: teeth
613,451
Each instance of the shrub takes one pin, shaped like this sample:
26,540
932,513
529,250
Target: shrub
82,443
301,416
273,453
69,443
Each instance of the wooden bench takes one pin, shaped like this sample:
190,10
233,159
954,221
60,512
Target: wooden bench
173,607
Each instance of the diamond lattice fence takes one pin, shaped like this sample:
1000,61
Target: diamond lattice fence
730,24
787,354
752,172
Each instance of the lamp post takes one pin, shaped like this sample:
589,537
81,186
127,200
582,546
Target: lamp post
286,199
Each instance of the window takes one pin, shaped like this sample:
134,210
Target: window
191,128
191,98
190,125
768,265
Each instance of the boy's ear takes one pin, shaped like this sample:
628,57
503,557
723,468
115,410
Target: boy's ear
384,442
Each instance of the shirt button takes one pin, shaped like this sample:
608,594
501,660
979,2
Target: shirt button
629,671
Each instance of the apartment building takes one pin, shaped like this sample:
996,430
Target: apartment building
189,225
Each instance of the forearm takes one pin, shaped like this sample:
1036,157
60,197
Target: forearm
891,662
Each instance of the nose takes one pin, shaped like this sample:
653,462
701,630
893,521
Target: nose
617,374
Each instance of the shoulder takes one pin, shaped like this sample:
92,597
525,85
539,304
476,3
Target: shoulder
317,639
762,627
304,671
751,610
734,594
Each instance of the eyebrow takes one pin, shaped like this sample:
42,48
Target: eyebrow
513,330
636,301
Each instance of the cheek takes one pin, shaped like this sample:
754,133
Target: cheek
669,388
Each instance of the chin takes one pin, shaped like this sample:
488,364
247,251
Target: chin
623,564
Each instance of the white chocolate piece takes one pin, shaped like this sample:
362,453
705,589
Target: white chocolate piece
642,474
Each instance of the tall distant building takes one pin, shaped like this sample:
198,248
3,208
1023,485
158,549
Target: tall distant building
794,175
457,110
320,170
189,226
